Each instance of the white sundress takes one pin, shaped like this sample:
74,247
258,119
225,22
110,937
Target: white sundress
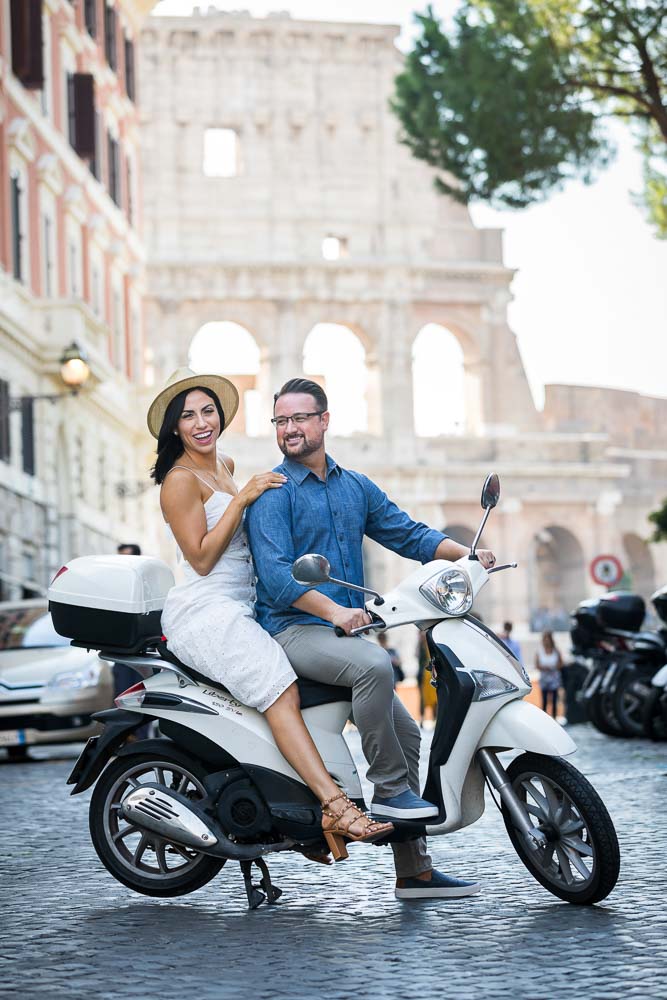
210,625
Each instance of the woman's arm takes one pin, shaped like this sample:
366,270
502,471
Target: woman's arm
183,508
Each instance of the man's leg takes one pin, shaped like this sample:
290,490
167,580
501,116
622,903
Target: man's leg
317,653
411,858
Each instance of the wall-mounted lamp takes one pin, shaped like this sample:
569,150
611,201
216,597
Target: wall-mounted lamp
74,372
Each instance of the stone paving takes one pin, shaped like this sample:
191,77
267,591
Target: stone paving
69,930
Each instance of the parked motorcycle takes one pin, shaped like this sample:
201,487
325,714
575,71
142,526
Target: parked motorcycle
654,708
167,813
620,660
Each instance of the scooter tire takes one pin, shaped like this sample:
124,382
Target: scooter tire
204,867
630,717
601,714
654,715
599,828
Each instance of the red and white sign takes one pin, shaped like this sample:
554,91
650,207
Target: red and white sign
606,570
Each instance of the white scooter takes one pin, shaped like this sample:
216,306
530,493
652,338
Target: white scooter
167,813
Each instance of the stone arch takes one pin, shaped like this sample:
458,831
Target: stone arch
229,348
436,350
557,578
334,355
639,565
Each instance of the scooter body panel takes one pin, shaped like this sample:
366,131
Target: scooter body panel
522,726
244,732
660,679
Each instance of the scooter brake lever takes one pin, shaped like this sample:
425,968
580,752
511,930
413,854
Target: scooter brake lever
497,569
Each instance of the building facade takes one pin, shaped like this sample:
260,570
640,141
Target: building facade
72,268
279,197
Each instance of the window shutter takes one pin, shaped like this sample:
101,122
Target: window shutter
28,435
84,114
114,170
110,36
27,53
17,235
90,17
4,421
129,69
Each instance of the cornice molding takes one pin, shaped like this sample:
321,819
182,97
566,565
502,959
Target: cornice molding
50,174
21,138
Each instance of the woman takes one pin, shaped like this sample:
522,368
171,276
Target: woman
209,620
549,664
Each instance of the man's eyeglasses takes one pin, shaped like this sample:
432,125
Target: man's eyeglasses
297,418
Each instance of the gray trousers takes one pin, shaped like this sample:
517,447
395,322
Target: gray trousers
389,735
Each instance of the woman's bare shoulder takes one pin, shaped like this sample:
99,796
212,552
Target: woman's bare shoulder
179,484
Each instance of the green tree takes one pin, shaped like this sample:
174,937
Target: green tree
512,101
659,519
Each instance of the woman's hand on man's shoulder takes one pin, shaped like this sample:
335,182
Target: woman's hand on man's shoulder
259,484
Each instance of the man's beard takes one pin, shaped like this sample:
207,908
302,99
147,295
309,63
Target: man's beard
300,448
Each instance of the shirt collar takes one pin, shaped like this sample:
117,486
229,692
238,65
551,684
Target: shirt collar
300,472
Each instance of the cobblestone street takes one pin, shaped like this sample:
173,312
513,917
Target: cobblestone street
69,930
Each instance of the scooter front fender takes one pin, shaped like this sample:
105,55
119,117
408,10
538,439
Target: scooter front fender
522,726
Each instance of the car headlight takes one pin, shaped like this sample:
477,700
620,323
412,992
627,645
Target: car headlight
451,591
76,679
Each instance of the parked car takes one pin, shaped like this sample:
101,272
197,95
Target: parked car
48,689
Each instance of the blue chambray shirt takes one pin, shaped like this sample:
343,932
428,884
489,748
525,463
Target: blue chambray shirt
330,517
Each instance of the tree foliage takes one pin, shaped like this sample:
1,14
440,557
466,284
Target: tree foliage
512,101
659,519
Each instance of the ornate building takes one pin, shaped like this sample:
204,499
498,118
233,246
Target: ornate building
278,197
71,269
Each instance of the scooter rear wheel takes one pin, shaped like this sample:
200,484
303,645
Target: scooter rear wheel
142,860
581,860
654,715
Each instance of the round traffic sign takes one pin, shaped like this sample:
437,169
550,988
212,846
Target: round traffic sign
606,570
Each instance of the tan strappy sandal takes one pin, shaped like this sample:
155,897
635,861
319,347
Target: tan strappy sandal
337,832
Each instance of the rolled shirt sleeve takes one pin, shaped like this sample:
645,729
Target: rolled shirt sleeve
387,524
269,527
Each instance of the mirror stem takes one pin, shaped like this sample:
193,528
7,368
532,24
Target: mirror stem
479,533
362,590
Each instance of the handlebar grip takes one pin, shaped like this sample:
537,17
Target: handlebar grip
340,632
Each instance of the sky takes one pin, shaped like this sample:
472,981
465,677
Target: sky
590,293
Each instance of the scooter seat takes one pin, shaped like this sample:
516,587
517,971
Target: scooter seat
312,693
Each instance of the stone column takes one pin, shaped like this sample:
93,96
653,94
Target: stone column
395,365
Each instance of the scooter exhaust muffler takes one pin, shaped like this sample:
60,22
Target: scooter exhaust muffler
174,818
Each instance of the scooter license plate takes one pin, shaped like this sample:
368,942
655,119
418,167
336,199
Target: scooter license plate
12,738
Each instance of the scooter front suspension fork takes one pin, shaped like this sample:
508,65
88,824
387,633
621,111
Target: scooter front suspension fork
497,775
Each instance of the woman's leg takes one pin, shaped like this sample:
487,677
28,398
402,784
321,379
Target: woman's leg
554,695
545,700
297,747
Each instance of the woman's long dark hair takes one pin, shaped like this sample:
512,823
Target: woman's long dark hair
169,444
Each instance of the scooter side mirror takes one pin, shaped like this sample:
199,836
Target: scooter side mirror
311,569
491,491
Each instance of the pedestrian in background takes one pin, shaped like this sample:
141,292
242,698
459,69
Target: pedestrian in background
512,644
549,664
124,676
395,658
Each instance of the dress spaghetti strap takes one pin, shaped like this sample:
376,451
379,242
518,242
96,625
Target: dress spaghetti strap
201,480
227,468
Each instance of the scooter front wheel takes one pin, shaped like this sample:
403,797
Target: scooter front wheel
581,860
139,859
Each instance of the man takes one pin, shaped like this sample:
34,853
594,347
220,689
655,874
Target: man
124,676
129,549
323,508
395,658
512,644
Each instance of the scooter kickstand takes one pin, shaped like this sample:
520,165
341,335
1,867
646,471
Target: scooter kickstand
255,896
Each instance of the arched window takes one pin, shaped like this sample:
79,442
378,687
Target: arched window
229,349
438,382
558,578
334,356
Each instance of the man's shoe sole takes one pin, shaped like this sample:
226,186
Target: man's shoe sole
453,892
389,812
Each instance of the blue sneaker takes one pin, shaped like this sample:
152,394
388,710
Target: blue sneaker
407,805
441,886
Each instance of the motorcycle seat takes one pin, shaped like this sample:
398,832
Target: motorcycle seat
311,693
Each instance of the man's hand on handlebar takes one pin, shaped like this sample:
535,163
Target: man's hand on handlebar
486,557
347,619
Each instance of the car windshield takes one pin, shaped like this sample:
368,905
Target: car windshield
28,628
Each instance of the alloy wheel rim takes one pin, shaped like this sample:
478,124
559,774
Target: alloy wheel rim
568,860
143,852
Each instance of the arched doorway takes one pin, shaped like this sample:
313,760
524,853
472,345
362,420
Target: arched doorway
230,349
334,357
438,380
558,578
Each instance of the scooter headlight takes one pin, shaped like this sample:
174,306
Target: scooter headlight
488,685
451,591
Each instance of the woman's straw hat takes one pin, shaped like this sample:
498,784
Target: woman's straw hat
183,379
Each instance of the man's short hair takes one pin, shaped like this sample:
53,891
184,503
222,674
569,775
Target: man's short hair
507,626
129,549
304,385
